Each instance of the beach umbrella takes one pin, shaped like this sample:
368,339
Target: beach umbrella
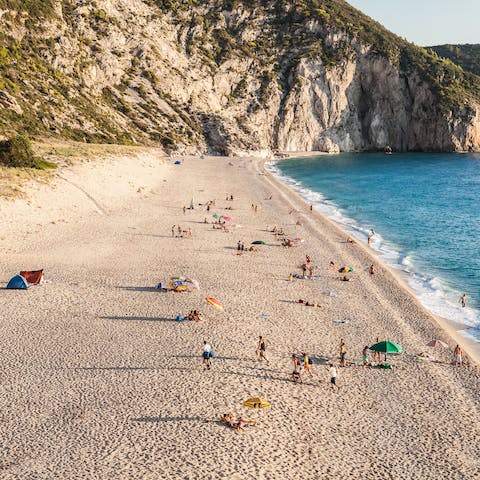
217,215
178,162
386,346
193,282
178,277
256,403
228,219
298,240
178,286
258,242
215,303
435,343
345,269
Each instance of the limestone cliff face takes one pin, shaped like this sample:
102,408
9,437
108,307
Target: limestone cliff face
225,81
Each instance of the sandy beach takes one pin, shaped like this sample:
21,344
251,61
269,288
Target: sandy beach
100,382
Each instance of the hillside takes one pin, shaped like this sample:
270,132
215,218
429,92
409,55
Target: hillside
467,56
230,76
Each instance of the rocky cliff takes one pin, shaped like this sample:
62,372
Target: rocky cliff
251,76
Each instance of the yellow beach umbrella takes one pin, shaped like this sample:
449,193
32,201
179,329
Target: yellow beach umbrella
256,403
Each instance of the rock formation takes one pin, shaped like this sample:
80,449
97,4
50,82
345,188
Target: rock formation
232,77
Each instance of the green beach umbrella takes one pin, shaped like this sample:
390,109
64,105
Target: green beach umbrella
258,242
217,215
386,346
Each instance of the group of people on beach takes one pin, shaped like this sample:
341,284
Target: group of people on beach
180,232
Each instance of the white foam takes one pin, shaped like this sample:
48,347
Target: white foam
433,292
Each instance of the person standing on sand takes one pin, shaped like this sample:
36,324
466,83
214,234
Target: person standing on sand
311,208
296,363
457,356
173,231
343,352
376,355
332,370
307,364
184,209
463,300
261,349
304,269
365,356
372,269
207,350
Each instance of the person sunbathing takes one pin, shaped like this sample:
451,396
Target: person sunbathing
227,418
243,422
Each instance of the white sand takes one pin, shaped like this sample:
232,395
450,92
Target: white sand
98,382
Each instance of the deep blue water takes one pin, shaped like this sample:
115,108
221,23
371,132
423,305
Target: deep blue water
424,208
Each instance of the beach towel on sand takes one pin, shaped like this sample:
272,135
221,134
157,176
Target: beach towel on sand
33,277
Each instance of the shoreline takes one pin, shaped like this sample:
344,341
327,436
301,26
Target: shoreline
104,368
452,328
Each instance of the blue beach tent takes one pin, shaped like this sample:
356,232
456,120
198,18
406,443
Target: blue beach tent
178,162
18,282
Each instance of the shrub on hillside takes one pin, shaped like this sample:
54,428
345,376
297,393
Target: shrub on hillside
17,152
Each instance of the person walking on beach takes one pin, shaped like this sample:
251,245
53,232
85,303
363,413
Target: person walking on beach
370,236
372,269
332,370
343,352
173,231
365,356
207,355
463,300
184,209
262,347
307,364
457,356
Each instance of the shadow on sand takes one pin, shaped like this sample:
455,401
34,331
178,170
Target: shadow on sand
169,419
140,289
140,319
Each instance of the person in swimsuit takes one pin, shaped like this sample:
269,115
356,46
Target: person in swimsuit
261,349
343,352
457,353
365,356
307,364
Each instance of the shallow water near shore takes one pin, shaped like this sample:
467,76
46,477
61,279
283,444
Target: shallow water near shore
424,210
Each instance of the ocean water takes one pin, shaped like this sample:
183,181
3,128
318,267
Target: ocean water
424,208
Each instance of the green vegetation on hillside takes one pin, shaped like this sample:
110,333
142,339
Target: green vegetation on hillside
467,56
272,36
17,152
34,8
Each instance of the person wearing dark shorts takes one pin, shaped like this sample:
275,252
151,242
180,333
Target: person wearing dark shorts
333,376
207,355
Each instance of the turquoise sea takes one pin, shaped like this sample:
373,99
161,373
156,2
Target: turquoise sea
424,208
